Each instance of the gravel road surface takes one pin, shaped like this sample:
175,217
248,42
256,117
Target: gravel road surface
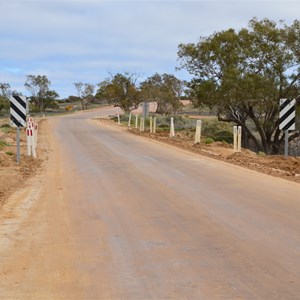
116,216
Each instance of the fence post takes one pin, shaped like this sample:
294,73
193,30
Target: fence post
198,132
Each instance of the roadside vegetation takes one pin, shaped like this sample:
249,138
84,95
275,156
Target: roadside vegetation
239,76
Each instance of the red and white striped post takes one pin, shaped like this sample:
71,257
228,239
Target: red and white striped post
29,133
31,142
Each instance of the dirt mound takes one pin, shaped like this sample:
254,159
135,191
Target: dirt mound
12,174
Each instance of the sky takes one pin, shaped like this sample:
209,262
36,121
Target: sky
71,41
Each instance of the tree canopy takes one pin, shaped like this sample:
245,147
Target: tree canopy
120,90
85,93
41,95
241,75
4,97
165,90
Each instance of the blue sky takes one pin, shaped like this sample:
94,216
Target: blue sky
71,41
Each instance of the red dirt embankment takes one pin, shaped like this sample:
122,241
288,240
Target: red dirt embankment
275,165
12,174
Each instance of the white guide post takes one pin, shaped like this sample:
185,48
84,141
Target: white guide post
142,124
136,121
119,123
154,125
198,131
239,139
235,138
129,120
151,124
172,131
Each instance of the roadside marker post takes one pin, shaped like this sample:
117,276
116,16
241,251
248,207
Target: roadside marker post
142,124
129,120
31,135
29,140
198,132
136,121
151,125
172,131
239,139
119,123
154,125
234,138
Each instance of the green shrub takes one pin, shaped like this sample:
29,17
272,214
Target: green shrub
260,153
5,128
208,140
180,122
9,153
3,144
223,136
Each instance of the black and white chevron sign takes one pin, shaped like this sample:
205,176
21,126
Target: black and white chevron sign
18,110
287,114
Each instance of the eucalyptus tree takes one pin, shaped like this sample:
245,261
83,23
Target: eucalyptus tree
41,95
120,90
4,96
87,94
241,75
165,90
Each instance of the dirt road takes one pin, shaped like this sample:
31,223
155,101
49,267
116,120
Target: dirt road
116,216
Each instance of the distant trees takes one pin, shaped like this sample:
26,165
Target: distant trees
241,75
85,93
165,90
124,91
4,97
41,95
120,90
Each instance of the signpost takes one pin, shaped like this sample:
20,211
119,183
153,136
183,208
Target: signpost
287,120
18,110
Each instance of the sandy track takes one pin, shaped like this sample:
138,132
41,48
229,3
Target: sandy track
118,217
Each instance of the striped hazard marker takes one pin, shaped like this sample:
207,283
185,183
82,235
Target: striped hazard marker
287,114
